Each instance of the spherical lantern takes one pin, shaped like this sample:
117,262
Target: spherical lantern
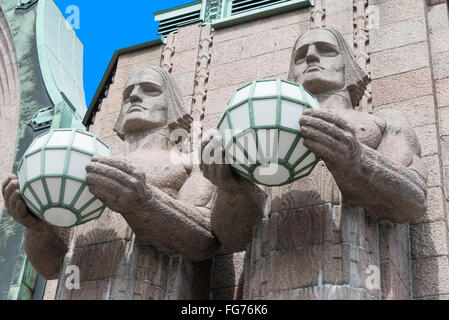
52,177
261,132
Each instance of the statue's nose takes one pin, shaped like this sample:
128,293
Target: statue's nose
312,55
135,95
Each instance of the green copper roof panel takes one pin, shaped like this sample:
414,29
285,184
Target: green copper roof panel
60,56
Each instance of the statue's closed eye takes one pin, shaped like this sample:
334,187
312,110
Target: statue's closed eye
301,54
323,49
326,49
151,89
127,92
145,88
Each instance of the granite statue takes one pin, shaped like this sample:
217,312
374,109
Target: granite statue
199,210
374,158
321,236
167,204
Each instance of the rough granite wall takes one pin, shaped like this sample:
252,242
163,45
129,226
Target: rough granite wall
430,239
9,122
9,99
403,78
406,55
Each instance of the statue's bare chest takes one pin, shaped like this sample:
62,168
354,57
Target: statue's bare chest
369,128
160,170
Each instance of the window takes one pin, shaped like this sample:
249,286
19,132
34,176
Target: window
241,6
239,11
170,20
223,13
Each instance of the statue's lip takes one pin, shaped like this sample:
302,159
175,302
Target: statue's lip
313,68
135,107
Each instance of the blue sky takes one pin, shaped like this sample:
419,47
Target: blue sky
106,26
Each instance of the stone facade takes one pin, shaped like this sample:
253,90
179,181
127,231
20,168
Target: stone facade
9,99
405,51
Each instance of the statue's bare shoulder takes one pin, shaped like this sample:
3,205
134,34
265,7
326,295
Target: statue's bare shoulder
399,141
197,190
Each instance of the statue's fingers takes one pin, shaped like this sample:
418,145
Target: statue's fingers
22,215
330,117
10,188
104,186
118,163
325,127
12,203
21,206
103,182
105,197
99,193
320,150
115,200
15,198
97,158
18,210
112,173
6,182
322,138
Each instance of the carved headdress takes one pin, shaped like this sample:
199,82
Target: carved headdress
177,116
356,78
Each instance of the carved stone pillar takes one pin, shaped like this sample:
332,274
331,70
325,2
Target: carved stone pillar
318,15
311,246
361,44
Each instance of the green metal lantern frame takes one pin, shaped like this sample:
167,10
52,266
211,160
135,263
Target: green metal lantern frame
64,176
253,129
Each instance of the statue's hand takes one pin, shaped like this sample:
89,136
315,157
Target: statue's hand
16,206
118,184
214,167
331,138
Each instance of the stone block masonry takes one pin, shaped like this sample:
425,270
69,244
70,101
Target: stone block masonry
318,253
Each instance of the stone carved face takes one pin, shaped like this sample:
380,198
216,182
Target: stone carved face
144,102
151,100
323,62
318,63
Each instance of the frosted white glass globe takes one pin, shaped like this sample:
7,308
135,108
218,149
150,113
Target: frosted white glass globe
52,177
261,132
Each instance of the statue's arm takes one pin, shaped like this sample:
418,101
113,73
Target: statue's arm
389,183
175,225
45,245
154,216
46,249
385,188
238,203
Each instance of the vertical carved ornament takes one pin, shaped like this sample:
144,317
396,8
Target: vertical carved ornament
361,43
201,80
213,10
168,52
318,15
